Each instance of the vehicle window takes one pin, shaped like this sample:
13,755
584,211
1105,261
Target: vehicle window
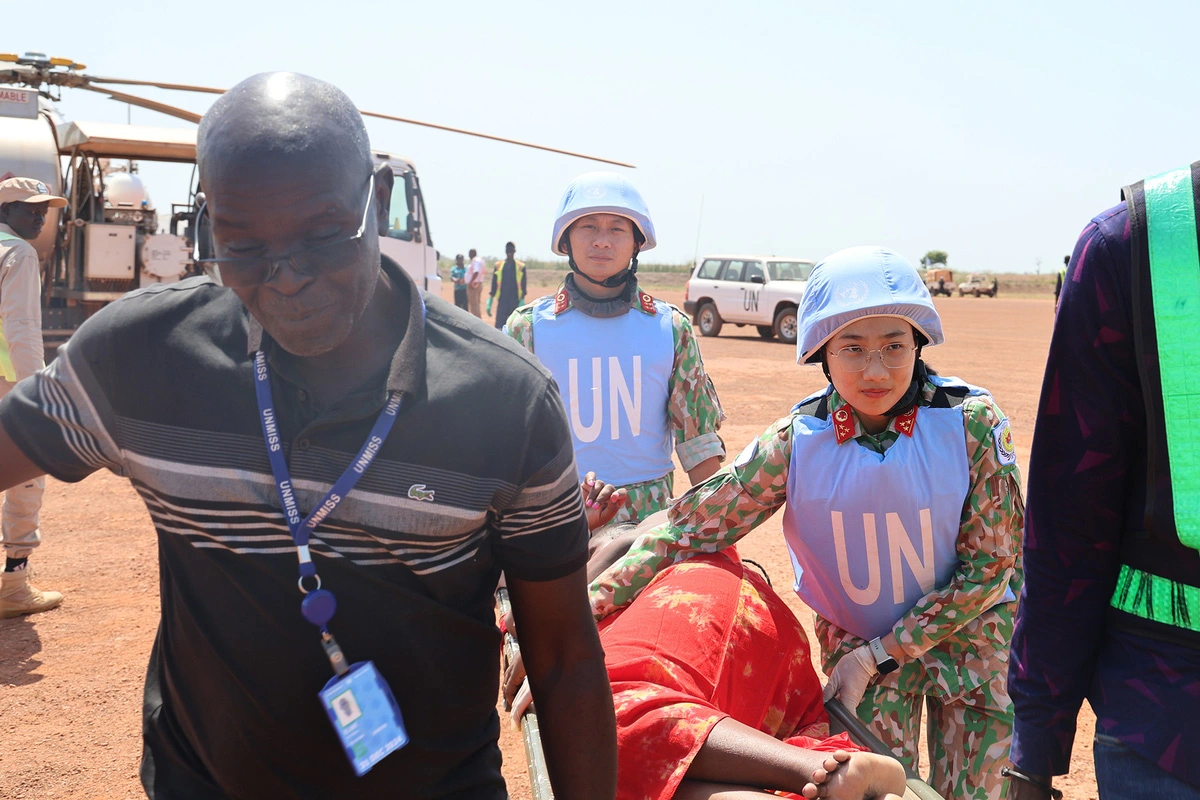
753,268
789,270
709,269
398,212
734,270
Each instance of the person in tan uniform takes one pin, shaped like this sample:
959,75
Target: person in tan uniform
24,204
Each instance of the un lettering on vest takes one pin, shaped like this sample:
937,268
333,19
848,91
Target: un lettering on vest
624,392
900,547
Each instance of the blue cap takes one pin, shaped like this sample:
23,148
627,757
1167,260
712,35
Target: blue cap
602,193
862,282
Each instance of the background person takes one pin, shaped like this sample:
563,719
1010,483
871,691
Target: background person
24,204
1110,610
904,519
304,307
458,276
475,284
600,336
509,282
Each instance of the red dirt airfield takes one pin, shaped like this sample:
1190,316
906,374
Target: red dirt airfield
71,679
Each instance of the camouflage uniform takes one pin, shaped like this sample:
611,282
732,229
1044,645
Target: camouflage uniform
693,407
955,638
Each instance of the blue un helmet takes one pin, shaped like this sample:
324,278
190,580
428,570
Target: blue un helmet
602,193
862,282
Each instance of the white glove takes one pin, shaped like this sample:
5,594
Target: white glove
851,677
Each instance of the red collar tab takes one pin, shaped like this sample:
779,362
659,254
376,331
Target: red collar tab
561,302
843,425
907,421
647,303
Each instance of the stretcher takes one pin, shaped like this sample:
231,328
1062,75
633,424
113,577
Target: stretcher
535,757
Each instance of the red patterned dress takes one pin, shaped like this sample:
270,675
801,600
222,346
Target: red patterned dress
707,639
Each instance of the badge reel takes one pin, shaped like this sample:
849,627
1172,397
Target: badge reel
360,705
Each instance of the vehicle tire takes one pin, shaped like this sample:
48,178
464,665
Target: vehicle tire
977,293
960,293
766,331
708,320
786,325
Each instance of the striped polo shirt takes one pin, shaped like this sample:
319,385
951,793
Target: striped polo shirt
158,388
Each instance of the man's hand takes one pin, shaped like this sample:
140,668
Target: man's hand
851,677
1024,790
561,650
601,501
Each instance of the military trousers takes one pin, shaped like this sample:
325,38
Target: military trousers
968,736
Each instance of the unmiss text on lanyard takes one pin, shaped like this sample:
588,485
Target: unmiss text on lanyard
360,705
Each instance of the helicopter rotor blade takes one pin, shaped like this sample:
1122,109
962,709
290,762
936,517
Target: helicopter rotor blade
180,87
142,102
493,138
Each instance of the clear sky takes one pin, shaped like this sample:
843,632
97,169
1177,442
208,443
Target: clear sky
991,131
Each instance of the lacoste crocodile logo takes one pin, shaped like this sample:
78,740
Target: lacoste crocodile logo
418,492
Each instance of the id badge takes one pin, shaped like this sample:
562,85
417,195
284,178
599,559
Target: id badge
365,716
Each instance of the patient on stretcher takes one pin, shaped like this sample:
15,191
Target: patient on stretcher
714,690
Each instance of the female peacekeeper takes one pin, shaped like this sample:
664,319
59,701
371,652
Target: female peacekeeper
628,366
904,519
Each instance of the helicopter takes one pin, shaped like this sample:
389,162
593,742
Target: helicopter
108,240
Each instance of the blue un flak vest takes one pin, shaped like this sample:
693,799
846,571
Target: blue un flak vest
614,378
1158,588
7,371
869,534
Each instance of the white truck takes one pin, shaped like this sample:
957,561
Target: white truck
763,291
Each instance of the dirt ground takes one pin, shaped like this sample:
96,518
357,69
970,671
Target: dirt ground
71,679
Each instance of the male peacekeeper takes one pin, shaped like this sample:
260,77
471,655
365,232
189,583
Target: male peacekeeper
302,428
24,204
1111,605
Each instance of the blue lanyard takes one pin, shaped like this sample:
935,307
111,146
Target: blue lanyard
319,604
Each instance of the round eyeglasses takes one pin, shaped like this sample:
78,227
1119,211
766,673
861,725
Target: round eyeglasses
854,358
244,272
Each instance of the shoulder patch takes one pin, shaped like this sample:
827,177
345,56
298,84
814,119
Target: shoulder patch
1006,449
906,422
561,301
647,303
843,425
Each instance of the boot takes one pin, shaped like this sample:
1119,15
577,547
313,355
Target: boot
17,597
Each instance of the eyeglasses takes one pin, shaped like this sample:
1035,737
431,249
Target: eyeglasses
244,272
893,356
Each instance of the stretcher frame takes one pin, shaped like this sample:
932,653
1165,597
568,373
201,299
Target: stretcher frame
535,757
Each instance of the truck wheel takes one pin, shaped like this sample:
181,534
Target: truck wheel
766,331
708,320
786,327
977,293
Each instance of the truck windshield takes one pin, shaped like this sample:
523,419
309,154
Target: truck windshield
398,212
789,270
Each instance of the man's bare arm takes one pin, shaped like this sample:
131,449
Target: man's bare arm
15,466
561,650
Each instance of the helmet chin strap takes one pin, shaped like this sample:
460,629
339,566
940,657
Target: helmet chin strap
612,281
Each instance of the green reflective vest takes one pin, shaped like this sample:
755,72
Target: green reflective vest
7,371
1158,589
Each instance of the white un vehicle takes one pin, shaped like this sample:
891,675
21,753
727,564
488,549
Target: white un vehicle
763,291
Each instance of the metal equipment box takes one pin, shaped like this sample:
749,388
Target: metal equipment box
109,252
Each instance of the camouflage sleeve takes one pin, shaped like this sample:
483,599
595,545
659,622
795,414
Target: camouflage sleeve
695,411
520,326
989,537
711,516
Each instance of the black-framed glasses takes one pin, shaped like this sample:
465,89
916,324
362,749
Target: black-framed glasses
246,271
854,358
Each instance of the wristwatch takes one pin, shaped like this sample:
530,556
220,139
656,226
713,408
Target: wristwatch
883,662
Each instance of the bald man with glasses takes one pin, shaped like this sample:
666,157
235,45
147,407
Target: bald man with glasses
332,516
